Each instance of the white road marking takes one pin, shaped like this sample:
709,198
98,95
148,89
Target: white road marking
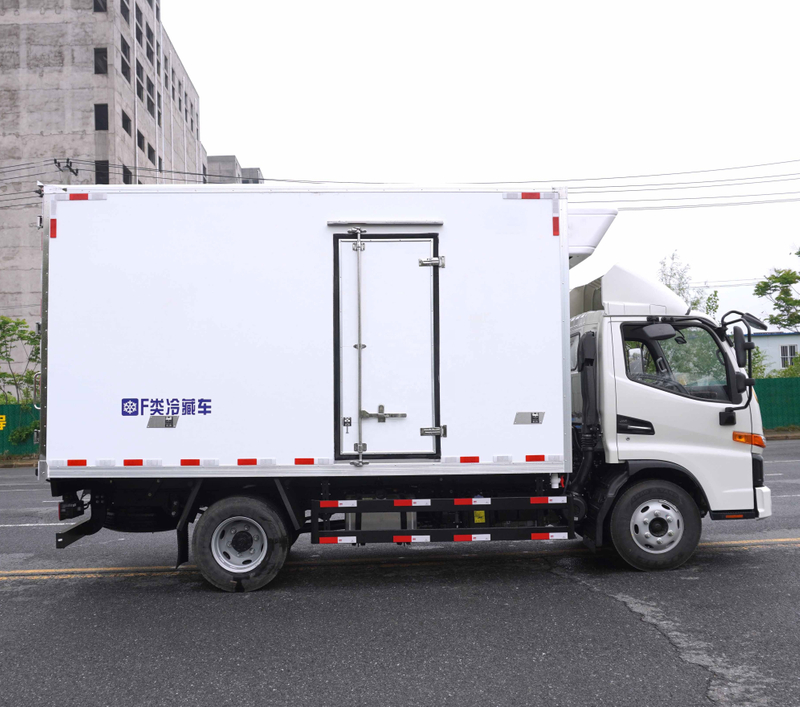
781,461
791,495
31,525
764,475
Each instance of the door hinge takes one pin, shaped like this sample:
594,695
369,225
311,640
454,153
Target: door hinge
432,262
433,431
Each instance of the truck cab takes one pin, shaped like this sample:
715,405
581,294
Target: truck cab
667,427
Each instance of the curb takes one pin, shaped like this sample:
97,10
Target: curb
17,464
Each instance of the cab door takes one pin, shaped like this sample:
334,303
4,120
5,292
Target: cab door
669,396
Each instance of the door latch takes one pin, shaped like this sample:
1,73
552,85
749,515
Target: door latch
432,262
433,431
381,415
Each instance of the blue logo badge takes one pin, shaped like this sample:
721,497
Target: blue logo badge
130,407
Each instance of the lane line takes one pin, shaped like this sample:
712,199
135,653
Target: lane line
404,561
781,461
764,475
31,525
791,495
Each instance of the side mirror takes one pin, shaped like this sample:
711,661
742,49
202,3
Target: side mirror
660,331
742,382
741,347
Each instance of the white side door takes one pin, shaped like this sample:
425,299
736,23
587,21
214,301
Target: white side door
669,396
399,357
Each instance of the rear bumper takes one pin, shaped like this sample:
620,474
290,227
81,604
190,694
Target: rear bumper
763,501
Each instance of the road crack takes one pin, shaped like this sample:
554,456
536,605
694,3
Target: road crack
729,684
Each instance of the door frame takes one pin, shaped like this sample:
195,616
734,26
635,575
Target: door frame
339,454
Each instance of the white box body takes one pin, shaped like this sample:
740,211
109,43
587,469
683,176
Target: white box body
233,311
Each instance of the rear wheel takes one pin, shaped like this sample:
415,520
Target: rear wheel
240,543
655,525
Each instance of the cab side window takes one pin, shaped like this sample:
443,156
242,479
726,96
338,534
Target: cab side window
690,364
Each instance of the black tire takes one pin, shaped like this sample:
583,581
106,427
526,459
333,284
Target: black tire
628,528
219,516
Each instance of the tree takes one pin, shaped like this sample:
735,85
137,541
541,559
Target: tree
19,353
675,275
759,359
779,288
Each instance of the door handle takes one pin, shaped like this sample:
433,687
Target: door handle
381,415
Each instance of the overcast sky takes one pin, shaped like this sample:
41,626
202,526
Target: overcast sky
434,92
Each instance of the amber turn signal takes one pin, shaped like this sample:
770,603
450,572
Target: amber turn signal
747,438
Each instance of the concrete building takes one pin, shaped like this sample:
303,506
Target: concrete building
225,169
780,348
91,91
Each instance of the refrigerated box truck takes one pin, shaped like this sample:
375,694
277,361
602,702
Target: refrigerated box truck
380,365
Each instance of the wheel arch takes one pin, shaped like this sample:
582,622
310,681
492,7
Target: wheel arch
635,471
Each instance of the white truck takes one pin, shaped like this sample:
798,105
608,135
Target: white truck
377,365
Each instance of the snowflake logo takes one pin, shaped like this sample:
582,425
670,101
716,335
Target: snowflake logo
130,406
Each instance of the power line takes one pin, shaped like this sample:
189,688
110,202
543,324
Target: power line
642,176
701,206
674,186
22,165
688,198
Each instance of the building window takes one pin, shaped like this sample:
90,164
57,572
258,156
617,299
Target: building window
101,6
151,104
158,104
140,140
205,175
150,2
125,50
788,354
101,172
186,106
139,22
158,58
100,60
173,85
160,165
127,175
101,117
139,81
158,12
151,153
150,41
125,10
166,74
126,123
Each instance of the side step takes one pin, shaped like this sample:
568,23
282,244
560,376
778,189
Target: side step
321,511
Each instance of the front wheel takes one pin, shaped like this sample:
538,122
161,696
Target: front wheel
655,525
240,543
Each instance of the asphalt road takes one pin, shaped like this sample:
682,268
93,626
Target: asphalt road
109,622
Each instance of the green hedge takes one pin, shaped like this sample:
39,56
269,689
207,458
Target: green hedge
17,416
779,399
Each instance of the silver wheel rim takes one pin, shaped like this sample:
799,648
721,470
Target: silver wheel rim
657,526
239,544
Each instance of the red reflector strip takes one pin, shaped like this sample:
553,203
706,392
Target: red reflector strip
549,536
76,462
341,540
338,504
411,538
556,231
328,541
412,502
531,195
403,502
470,460
247,462
133,462
472,501
734,516
303,460
79,197
52,228
538,499
471,538
190,462
534,457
